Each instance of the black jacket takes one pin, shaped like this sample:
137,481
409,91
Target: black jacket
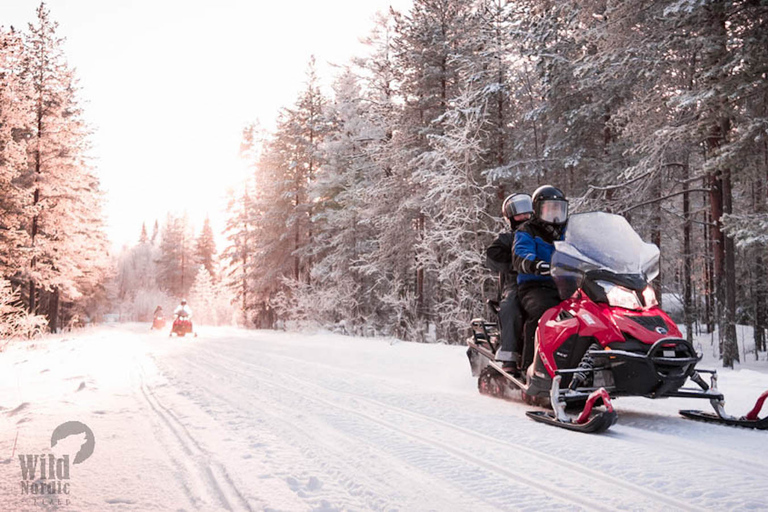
498,257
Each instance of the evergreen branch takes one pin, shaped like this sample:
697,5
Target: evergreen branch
659,199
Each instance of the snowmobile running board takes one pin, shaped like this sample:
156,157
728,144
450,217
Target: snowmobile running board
750,420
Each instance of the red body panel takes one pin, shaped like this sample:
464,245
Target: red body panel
182,326
605,323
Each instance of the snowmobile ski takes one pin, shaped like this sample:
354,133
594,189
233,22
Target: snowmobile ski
600,422
759,424
749,420
595,425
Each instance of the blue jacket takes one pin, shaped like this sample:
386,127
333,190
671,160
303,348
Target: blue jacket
532,244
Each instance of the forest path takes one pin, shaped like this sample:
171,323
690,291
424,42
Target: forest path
264,420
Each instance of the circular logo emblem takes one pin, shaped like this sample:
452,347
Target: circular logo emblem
75,428
661,330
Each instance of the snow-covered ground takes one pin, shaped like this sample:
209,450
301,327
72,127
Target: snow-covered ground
257,420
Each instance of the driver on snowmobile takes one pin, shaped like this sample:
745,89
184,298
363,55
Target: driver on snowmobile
516,209
182,310
532,253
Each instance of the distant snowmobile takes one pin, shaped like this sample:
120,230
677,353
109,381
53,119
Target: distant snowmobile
158,319
182,325
158,322
608,338
182,321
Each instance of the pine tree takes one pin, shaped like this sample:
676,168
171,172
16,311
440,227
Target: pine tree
143,235
239,253
202,296
205,248
14,108
176,264
155,231
65,227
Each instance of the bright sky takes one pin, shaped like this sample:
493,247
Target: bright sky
170,84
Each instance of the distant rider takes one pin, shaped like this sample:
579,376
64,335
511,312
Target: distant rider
534,245
158,312
182,310
516,209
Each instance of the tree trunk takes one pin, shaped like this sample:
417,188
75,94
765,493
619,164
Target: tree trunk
709,275
758,286
731,349
420,275
687,257
53,311
718,251
656,231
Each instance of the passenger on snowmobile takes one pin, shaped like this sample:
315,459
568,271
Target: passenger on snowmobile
516,209
532,253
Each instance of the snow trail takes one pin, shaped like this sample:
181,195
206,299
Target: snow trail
257,420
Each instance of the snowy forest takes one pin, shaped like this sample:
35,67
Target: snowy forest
372,200
54,266
167,265
371,204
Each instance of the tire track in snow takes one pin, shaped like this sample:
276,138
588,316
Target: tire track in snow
599,477
213,474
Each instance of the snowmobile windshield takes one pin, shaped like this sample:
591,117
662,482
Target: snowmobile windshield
601,241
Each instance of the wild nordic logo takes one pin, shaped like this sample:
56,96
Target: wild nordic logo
46,476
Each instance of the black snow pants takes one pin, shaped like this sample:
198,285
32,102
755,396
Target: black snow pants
511,321
535,298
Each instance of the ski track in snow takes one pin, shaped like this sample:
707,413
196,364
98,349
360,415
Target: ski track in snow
262,420
544,464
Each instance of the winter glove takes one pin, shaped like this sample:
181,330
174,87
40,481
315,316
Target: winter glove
542,268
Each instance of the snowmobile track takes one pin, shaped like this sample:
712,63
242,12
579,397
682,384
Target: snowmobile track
505,472
299,434
599,477
212,473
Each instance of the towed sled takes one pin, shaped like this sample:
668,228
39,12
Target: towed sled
608,338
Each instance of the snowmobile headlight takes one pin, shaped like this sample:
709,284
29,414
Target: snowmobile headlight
649,297
619,296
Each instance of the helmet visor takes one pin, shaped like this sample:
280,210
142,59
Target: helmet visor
554,212
518,204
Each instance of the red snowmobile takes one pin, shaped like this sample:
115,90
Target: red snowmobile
182,325
608,338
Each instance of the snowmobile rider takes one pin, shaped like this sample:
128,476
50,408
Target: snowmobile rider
532,254
516,209
182,310
158,311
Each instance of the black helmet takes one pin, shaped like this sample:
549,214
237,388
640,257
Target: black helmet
550,205
516,204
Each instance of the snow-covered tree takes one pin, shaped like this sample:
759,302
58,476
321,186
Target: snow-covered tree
14,108
67,246
205,248
176,263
